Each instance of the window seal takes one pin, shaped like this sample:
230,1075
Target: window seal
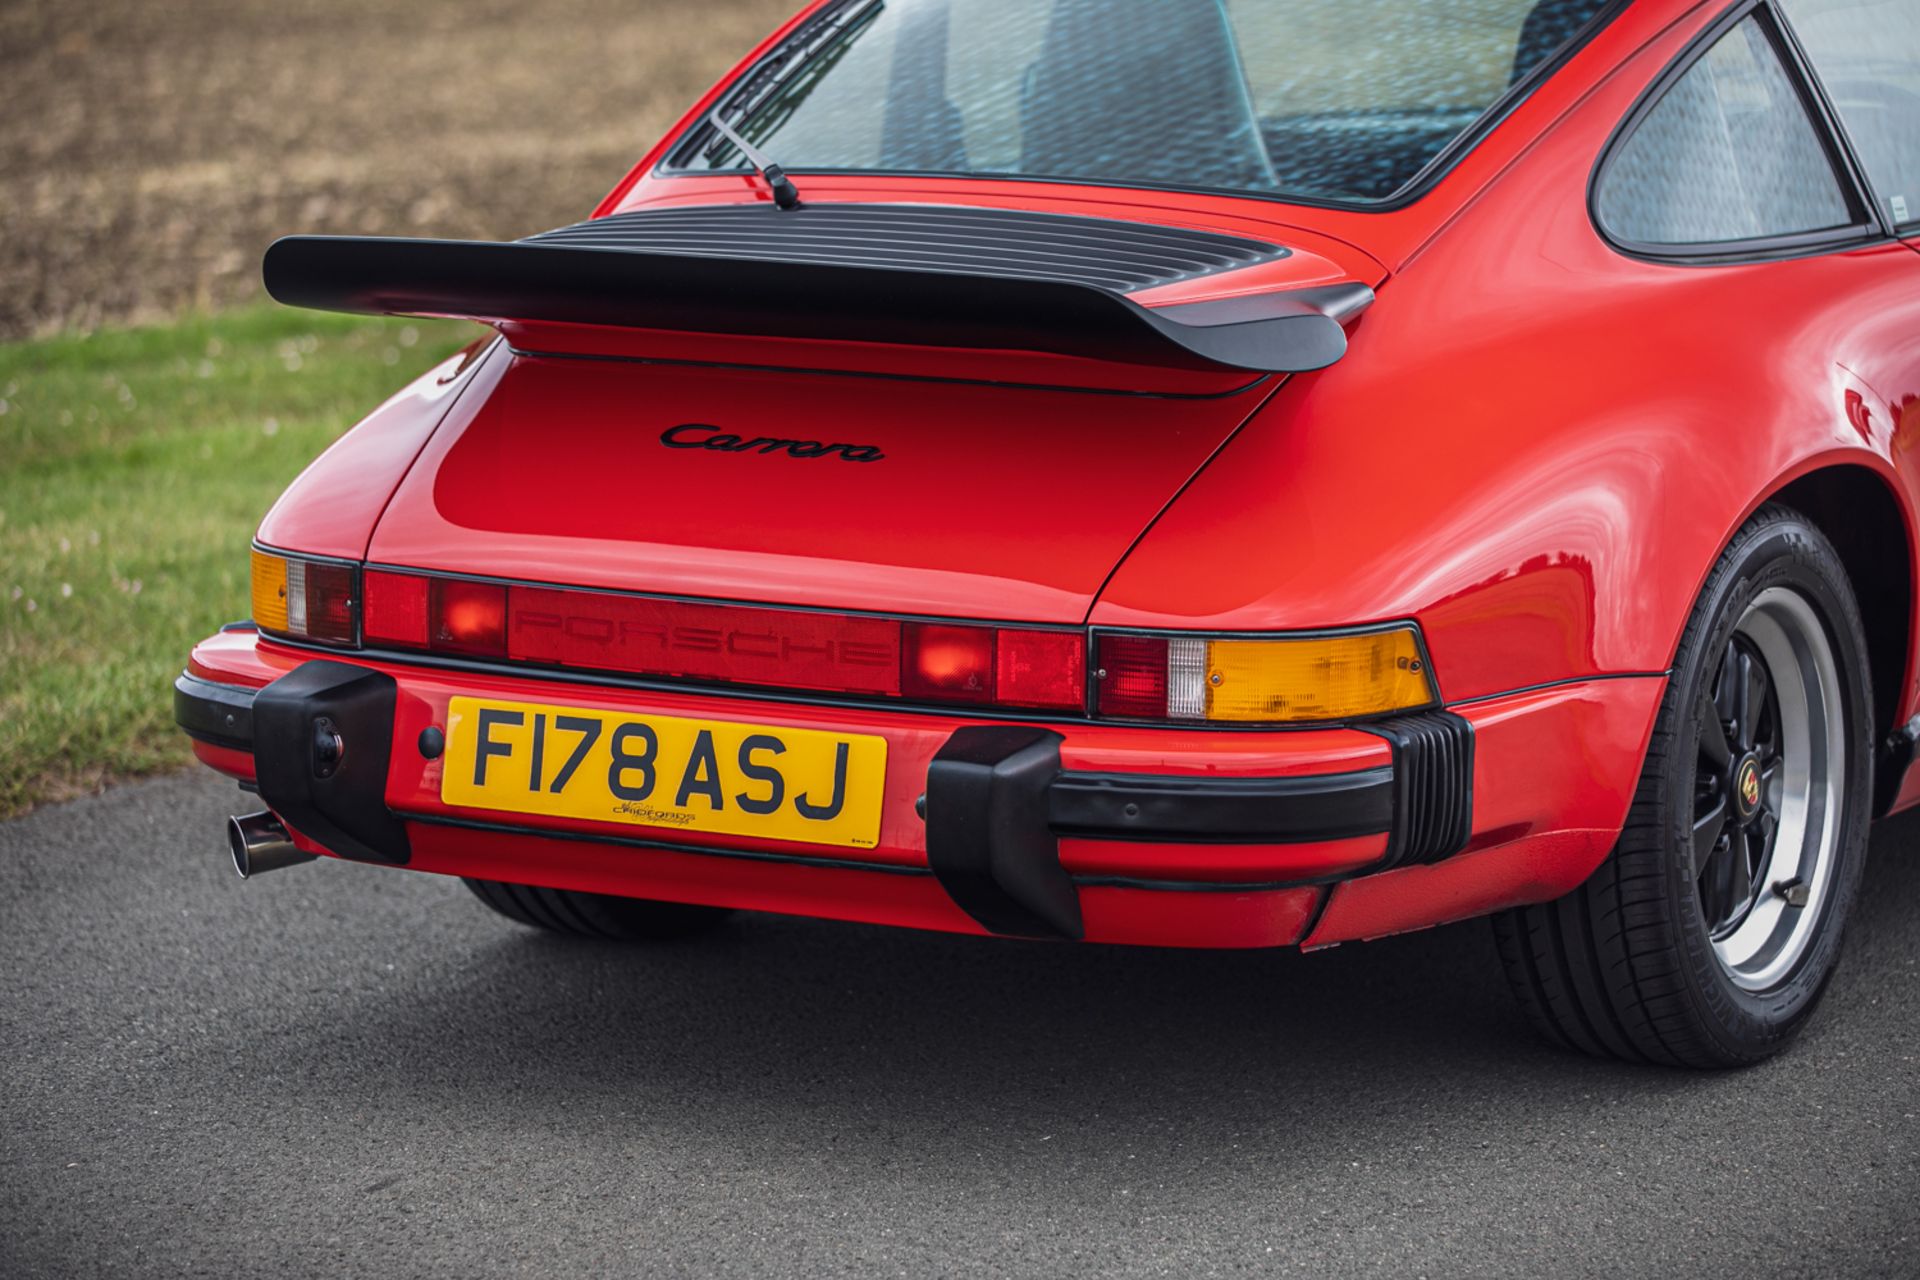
1429,176
1867,227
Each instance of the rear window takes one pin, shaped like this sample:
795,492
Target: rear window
1332,100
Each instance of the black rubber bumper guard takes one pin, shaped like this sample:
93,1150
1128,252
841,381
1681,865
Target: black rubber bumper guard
320,737
996,804
998,801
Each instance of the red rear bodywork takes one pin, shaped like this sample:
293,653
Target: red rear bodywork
1533,448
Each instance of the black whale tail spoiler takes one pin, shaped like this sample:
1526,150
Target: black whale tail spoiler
985,280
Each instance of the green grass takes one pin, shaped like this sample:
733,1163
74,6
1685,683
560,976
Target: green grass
134,466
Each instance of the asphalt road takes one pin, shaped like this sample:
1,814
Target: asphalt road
347,1069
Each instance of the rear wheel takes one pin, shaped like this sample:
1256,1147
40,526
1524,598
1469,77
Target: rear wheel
1708,935
596,915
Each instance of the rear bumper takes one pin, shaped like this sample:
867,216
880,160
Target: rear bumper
1182,837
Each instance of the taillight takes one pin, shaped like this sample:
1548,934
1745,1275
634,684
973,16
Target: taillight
445,615
1001,666
308,599
1132,677
467,617
1034,668
394,610
946,662
1268,680
1164,677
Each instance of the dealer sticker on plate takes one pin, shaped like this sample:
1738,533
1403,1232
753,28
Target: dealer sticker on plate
713,776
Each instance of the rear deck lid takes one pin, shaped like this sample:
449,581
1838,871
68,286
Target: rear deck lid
909,495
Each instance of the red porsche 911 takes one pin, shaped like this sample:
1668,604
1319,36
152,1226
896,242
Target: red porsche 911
1200,473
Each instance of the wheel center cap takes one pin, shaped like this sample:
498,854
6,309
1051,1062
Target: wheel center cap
1746,786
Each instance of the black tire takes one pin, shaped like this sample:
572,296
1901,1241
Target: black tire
1627,965
595,915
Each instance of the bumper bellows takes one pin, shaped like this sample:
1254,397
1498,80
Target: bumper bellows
1433,786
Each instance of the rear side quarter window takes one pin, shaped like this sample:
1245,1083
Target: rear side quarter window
1867,56
1724,157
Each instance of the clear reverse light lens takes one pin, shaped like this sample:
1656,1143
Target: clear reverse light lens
1187,679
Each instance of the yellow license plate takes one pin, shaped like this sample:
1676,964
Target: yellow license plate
658,771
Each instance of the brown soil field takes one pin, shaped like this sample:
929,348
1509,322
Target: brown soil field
151,149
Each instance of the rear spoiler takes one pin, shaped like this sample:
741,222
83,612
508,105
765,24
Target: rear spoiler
1282,331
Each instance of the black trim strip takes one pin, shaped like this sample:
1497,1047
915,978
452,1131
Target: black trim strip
218,714
1544,685
1295,809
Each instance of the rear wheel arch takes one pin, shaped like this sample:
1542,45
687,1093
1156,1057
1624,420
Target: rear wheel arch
1858,511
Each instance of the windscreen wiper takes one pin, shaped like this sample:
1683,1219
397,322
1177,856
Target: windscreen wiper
785,194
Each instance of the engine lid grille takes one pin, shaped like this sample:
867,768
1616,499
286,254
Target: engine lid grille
1124,257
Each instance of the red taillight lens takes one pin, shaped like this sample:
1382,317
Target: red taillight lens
329,592
1133,677
395,609
946,662
467,617
1041,669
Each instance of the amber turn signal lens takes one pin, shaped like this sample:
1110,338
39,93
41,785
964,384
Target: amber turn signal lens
1337,677
269,592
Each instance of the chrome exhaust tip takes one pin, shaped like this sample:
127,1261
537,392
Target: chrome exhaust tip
259,844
